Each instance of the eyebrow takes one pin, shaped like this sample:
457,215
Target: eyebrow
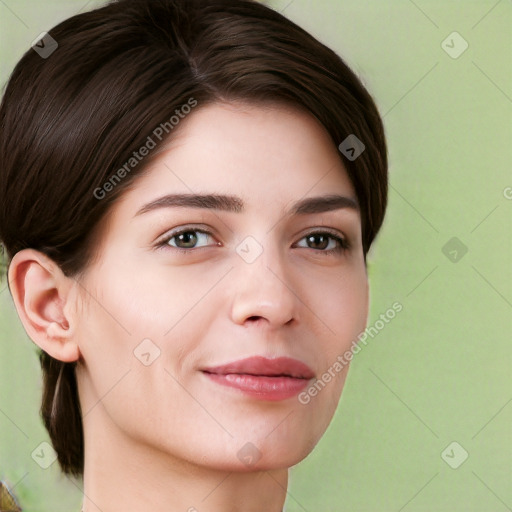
235,204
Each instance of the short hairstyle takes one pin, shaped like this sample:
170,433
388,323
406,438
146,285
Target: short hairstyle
70,121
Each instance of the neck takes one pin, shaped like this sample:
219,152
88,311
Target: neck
121,474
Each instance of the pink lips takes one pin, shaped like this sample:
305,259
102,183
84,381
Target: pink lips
263,378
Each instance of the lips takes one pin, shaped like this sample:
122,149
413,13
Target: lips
263,378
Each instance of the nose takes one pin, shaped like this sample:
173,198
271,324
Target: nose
263,292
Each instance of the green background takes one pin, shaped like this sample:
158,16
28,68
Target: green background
440,371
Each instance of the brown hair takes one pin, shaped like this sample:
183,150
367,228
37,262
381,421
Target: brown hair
70,120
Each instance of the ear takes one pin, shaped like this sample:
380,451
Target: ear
44,297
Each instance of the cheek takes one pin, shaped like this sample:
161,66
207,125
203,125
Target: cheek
139,301
120,311
133,328
350,316
341,305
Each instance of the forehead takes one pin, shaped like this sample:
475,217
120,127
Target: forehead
254,151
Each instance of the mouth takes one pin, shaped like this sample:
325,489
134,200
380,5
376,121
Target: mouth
263,378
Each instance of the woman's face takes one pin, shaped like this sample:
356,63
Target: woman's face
259,269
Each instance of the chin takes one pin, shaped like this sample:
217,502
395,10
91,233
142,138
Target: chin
248,457
279,454
270,462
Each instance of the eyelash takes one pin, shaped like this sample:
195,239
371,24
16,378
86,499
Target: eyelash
342,243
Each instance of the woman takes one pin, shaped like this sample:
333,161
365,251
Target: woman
188,192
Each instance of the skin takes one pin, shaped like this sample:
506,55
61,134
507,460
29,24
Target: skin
163,436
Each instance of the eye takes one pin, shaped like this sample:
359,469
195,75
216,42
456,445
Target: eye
186,238
325,242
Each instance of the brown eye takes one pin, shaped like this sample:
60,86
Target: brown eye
318,241
324,242
185,239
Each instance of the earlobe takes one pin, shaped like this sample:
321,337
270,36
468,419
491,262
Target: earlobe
41,292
